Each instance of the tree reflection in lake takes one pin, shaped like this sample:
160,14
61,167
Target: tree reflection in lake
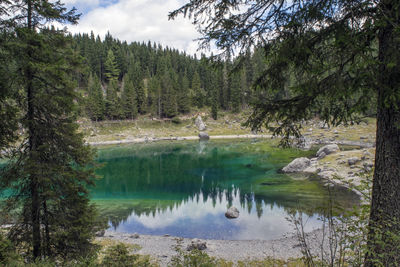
185,188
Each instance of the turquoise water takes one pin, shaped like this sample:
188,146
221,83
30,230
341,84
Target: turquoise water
184,188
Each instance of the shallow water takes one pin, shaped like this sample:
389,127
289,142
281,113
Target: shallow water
183,189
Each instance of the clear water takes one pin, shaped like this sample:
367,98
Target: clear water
184,189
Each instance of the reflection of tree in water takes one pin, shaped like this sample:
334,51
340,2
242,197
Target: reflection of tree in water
158,178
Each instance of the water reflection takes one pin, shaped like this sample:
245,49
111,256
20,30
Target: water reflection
184,189
203,217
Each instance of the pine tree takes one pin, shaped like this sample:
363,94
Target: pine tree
48,173
95,104
113,102
199,93
214,96
183,97
235,83
141,97
130,107
111,67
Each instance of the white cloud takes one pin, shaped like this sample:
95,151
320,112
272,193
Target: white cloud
136,20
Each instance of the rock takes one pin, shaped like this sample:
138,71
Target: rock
303,143
352,160
297,165
200,124
321,155
363,137
232,213
197,244
204,136
328,149
335,132
166,235
100,233
135,236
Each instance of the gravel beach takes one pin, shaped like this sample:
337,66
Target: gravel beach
162,248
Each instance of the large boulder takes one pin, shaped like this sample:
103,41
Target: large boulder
328,149
200,124
232,213
297,165
204,136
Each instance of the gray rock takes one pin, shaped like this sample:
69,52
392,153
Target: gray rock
197,244
204,136
352,160
232,213
297,165
200,124
321,155
135,236
303,143
100,233
328,149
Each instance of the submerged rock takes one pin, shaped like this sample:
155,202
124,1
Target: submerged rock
232,213
204,136
297,165
197,244
328,149
200,124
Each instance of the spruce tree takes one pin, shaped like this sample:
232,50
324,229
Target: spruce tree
111,68
183,97
48,172
95,104
113,102
129,103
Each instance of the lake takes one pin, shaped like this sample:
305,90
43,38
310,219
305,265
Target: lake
184,189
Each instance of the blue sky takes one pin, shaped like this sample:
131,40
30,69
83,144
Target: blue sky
136,20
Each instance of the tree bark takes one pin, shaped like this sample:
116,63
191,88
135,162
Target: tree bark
384,225
34,184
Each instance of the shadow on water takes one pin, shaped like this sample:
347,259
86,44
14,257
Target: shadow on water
185,188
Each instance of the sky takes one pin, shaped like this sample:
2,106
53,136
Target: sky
136,20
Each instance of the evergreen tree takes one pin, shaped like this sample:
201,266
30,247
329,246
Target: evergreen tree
141,97
235,83
214,97
168,96
48,172
183,95
111,67
113,103
130,107
199,93
332,56
95,101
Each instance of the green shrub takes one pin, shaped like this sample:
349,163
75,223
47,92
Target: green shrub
7,251
120,256
176,120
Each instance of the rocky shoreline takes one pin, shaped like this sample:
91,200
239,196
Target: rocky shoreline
163,248
342,168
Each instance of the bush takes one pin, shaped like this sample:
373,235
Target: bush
7,251
119,255
176,120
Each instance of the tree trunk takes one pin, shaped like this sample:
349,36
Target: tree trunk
34,183
384,225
